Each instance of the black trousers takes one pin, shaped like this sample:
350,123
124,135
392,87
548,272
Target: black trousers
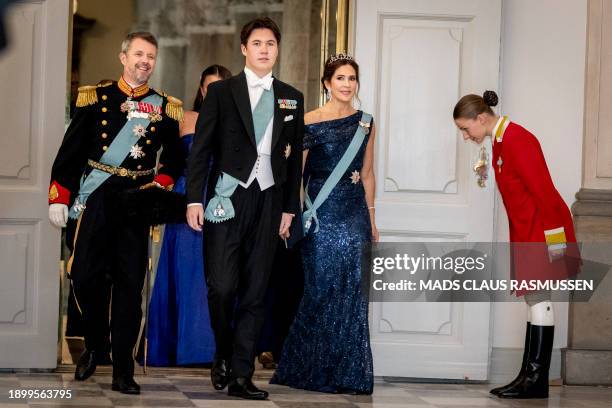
283,298
106,246
239,254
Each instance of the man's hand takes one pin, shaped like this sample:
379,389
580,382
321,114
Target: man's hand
195,216
58,215
283,230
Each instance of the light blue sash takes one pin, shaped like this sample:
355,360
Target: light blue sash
220,207
310,215
113,156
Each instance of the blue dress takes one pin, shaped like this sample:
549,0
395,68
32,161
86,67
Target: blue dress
328,347
179,331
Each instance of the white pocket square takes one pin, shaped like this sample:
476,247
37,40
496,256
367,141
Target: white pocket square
288,118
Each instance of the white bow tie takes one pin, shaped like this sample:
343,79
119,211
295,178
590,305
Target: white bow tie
265,83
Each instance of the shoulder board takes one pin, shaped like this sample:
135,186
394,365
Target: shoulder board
161,93
87,96
105,83
174,108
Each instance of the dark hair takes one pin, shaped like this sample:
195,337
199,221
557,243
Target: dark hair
333,63
472,105
143,35
261,22
218,70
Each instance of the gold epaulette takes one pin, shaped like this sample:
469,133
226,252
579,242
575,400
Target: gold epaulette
87,96
174,106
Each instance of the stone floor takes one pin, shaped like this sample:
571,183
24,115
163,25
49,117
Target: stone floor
192,389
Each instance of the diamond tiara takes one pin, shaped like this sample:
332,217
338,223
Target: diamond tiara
338,57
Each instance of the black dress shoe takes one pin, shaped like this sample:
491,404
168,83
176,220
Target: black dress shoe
86,365
219,374
244,388
126,385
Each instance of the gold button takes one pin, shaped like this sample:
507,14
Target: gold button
104,123
104,109
152,128
105,148
133,177
139,167
148,141
104,135
104,97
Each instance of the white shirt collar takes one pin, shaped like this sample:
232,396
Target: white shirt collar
253,81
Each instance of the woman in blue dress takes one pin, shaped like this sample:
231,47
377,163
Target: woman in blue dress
178,330
328,347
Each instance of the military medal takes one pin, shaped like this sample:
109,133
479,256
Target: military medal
219,211
155,117
498,138
141,110
127,105
365,126
308,223
78,206
287,103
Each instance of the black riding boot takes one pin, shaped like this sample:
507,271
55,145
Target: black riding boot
534,383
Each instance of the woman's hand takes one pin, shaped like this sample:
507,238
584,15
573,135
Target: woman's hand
375,233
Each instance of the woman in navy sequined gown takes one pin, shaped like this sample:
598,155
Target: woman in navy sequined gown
178,329
328,347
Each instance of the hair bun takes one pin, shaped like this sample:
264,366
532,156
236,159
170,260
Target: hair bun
490,98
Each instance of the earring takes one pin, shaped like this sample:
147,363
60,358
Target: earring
327,94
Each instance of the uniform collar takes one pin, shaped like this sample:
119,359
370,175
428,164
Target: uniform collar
253,81
500,128
132,92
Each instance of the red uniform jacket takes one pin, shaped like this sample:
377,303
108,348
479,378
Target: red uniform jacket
536,211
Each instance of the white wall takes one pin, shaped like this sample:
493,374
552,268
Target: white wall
542,88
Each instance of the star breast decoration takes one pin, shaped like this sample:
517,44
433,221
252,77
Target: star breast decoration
355,177
287,151
136,152
139,130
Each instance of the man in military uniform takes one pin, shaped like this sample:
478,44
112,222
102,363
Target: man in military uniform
111,147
